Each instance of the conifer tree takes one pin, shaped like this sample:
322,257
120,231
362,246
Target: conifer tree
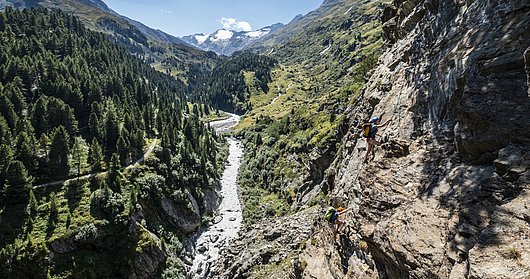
54,212
6,156
137,144
78,154
5,132
60,114
39,117
32,205
159,123
44,144
93,125
114,176
7,110
128,122
95,156
18,182
25,153
68,219
112,130
15,89
59,150
122,147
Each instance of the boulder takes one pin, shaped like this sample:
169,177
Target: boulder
202,249
217,219
272,235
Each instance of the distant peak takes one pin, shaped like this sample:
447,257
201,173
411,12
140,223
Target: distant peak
297,17
97,3
226,41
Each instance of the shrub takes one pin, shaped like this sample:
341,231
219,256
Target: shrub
174,269
105,204
87,233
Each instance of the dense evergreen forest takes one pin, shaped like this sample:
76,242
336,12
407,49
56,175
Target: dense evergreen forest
225,88
73,103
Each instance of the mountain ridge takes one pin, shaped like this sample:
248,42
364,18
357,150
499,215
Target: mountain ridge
226,42
73,6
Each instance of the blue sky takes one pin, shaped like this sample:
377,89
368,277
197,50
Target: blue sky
186,17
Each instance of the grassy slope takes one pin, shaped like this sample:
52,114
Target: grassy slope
315,76
325,58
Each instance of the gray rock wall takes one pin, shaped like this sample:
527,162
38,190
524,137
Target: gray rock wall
447,195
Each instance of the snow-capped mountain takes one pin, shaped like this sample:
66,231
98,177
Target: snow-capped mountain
226,42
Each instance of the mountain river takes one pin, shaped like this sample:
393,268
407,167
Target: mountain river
206,244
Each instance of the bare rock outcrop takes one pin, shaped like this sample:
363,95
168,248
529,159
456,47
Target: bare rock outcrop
272,244
448,194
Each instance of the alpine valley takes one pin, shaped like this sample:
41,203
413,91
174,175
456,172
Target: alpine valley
126,152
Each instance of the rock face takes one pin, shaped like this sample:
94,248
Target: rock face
448,194
183,219
112,243
274,242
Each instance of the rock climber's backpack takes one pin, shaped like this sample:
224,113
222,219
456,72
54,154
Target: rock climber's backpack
330,212
367,130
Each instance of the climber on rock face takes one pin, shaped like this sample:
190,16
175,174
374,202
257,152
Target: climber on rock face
332,215
369,132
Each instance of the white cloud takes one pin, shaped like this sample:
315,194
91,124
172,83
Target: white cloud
166,11
234,24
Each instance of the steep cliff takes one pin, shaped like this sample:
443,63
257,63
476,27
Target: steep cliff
447,194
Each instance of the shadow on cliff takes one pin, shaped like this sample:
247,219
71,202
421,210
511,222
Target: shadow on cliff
488,92
470,192
12,220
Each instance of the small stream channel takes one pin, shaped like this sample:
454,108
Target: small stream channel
206,244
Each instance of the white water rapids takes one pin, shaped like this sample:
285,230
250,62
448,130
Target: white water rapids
207,243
